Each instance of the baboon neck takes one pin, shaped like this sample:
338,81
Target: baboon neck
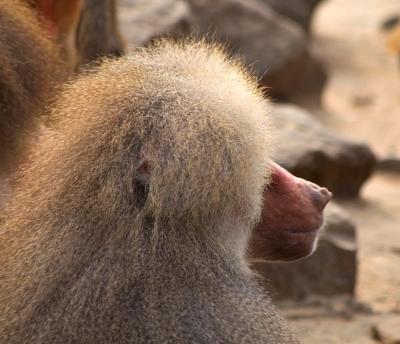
206,245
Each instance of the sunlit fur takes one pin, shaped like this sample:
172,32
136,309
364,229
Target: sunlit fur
131,222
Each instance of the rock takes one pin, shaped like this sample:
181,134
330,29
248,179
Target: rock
390,22
275,47
387,329
331,270
309,150
143,20
301,11
389,164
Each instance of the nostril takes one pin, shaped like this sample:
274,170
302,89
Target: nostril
326,193
320,196
326,196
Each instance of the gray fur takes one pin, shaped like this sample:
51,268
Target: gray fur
132,221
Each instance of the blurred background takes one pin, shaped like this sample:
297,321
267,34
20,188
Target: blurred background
332,70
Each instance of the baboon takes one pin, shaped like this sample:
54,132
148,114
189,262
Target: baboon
98,33
61,18
32,64
391,27
394,40
86,29
131,222
30,67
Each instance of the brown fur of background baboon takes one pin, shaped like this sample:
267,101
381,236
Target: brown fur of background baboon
86,30
30,67
98,34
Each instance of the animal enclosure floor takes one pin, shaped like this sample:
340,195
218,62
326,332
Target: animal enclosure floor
362,102
363,92
377,216
363,97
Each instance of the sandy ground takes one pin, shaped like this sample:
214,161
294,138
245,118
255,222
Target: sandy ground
364,85
378,220
362,101
377,215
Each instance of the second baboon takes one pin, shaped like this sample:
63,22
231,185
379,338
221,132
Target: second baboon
131,222
86,30
391,28
30,67
98,34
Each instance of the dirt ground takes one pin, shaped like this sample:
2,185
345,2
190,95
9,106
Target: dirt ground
362,101
364,84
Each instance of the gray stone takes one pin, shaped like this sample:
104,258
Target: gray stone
389,164
143,20
331,270
311,151
275,47
301,11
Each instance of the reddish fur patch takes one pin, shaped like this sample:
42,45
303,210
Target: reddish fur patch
47,10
